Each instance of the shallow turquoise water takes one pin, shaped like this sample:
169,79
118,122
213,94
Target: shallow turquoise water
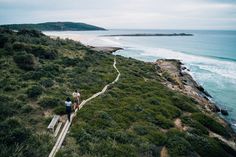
210,55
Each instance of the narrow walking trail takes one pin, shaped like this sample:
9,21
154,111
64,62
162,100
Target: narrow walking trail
66,127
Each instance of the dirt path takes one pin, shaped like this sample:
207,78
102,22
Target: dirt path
178,124
164,152
66,127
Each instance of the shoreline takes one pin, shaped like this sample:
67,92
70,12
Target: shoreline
178,78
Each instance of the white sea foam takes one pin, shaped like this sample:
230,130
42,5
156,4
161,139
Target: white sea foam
222,68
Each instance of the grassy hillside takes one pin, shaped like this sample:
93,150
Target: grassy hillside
54,26
135,117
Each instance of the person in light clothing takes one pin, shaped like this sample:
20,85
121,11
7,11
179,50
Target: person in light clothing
68,104
76,96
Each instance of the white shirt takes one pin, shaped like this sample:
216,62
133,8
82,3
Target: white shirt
76,95
68,103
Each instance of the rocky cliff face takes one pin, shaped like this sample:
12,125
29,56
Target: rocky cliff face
176,76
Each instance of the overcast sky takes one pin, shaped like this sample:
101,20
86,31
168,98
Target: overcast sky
138,14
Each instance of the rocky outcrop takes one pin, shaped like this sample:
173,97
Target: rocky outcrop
176,76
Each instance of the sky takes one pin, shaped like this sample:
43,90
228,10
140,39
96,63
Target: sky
129,14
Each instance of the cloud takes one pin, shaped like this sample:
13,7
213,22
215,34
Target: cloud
176,14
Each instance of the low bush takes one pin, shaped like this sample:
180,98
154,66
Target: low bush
163,122
44,52
211,124
26,109
3,40
25,61
169,111
178,146
70,61
226,147
175,132
34,91
140,129
156,137
34,75
49,102
46,82
122,137
60,110
182,104
197,127
31,33
154,101
206,147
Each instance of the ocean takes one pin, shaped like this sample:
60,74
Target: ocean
210,56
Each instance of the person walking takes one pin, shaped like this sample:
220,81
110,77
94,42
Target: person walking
76,96
68,107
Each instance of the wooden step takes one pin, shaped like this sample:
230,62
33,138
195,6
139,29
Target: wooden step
57,129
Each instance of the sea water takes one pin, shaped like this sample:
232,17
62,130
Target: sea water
210,56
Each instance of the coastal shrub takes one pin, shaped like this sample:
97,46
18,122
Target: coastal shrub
211,124
49,102
25,61
83,138
154,101
156,137
182,104
70,61
163,122
17,140
206,147
226,147
19,46
46,82
197,127
51,70
122,137
102,134
31,33
44,52
60,110
103,115
26,109
178,146
22,97
148,149
34,75
168,111
175,132
6,111
140,129
9,84
3,40
107,148
34,91
16,133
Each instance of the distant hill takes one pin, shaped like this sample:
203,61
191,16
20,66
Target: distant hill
54,26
